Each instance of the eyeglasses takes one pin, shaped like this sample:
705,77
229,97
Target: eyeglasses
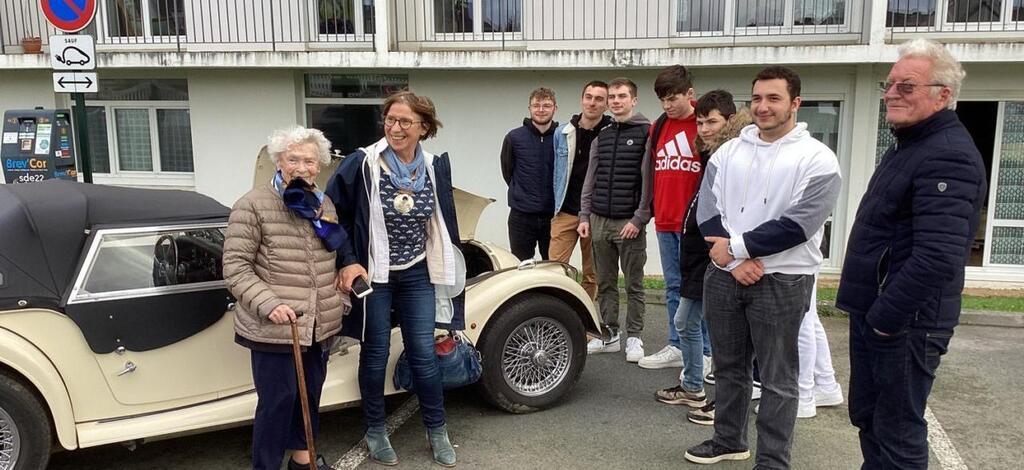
904,88
545,106
405,124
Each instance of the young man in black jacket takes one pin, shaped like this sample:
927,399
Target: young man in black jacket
903,274
615,207
527,164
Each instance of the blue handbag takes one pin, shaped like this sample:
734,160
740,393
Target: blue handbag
457,359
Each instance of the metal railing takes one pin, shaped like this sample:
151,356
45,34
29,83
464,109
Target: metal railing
208,25
953,16
606,23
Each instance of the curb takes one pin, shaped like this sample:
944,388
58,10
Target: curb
827,309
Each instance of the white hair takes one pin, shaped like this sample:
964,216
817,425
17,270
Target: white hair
945,68
281,139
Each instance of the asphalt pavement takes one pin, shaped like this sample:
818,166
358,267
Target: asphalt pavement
611,420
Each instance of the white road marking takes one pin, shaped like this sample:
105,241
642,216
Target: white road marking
948,457
356,455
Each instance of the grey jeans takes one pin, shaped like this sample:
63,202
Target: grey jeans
610,250
762,319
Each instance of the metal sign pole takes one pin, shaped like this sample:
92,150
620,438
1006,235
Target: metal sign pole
82,134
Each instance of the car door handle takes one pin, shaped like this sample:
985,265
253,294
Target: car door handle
129,367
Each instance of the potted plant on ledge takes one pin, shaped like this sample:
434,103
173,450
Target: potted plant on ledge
31,43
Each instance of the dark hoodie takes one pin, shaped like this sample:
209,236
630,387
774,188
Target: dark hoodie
527,164
693,250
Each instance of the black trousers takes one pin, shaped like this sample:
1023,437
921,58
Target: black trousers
278,424
527,232
890,380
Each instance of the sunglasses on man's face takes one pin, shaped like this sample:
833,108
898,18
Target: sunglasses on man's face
904,88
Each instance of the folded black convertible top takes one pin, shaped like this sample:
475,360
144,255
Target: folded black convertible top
43,228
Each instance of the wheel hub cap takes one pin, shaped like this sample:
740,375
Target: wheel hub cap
537,356
10,441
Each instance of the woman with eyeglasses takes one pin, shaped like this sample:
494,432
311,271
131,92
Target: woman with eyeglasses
395,200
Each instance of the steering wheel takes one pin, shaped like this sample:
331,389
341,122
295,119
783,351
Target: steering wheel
165,261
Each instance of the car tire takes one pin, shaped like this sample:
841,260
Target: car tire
538,331
25,432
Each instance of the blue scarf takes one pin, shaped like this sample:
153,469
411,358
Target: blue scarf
305,201
402,174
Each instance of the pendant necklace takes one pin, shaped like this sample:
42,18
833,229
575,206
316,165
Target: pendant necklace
404,202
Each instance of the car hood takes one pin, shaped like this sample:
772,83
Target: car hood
468,206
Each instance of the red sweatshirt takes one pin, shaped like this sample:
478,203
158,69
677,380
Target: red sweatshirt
677,171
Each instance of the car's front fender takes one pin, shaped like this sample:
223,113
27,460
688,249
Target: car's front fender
485,298
28,361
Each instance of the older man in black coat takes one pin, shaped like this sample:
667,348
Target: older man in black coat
904,268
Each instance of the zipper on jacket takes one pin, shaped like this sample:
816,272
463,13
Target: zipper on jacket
611,170
881,277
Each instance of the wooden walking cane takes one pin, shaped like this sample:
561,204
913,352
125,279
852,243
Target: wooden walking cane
301,375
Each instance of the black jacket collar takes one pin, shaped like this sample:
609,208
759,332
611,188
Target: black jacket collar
528,124
931,125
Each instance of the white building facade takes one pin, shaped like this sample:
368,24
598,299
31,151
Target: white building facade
190,89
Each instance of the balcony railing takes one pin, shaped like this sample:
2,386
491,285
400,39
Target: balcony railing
538,24
208,25
955,16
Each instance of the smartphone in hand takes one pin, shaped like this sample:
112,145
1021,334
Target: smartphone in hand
360,287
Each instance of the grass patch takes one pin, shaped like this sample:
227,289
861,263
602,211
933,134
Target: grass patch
1013,302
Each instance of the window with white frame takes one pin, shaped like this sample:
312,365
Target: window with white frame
348,108
955,15
140,128
344,17
698,17
477,16
144,18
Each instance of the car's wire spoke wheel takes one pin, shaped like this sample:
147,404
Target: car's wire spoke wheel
10,441
536,356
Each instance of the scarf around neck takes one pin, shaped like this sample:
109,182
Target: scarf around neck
306,201
409,177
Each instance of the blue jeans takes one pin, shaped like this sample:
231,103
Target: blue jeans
668,246
689,321
412,295
890,380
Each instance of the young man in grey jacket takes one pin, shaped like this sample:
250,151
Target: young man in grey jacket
614,209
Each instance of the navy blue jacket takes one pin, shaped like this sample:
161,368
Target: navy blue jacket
528,166
904,265
349,189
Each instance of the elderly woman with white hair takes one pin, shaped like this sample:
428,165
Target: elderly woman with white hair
279,257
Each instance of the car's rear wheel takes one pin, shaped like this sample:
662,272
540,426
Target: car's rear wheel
533,352
24,427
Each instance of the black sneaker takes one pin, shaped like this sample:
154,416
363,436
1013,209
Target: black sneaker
710,378
709,452
704,416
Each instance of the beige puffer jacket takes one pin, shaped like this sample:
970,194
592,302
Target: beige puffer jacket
272,256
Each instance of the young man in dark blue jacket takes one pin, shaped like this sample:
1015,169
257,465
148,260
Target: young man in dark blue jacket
527,164
904,268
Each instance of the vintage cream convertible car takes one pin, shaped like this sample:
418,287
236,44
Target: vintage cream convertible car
115,325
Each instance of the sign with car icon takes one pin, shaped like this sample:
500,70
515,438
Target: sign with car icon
72,52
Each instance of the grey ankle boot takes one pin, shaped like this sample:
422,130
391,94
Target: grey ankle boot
444,453
380,447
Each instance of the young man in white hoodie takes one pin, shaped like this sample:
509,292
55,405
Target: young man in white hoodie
762,205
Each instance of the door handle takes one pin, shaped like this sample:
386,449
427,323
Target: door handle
129,367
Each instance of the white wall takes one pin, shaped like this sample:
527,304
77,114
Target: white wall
479,108
233,112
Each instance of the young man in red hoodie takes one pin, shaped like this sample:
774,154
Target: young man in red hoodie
677,171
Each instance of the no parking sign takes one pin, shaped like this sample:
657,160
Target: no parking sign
69,16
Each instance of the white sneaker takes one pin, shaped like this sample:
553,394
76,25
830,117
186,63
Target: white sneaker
755,393
634,349
598,345
806,408
709,368
669,356
833,398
